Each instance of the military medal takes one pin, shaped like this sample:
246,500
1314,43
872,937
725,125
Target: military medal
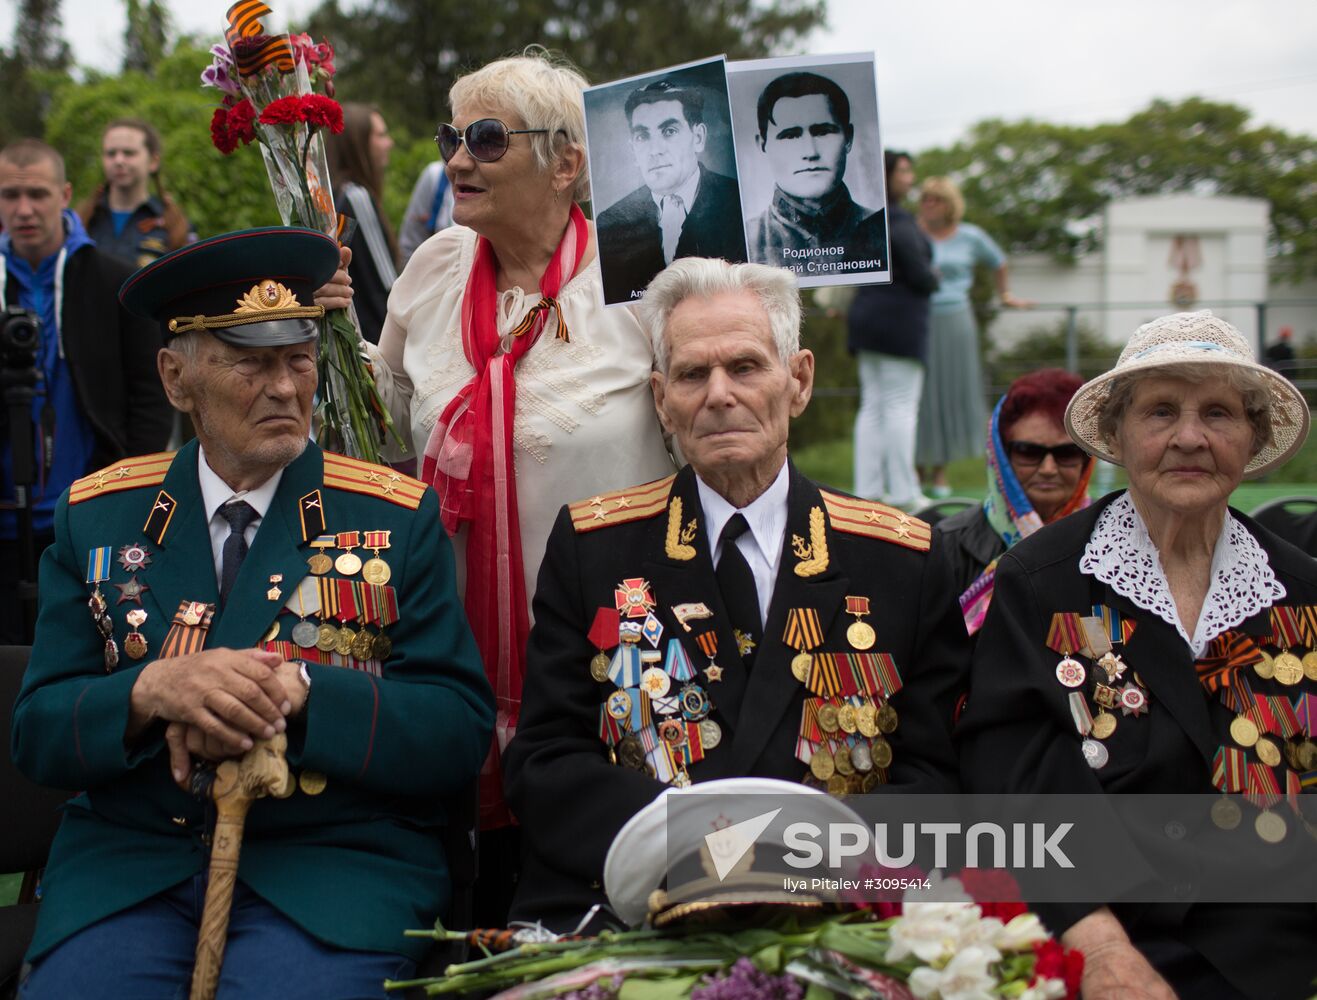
1265,667
828,720
1070,672
744,644
384,613
271,633
803,632
363,645
633,597
274,593
1267,751
326,637
694,703
842,762
312,782
131,590
687,613
1270,826
847,719
603,634
882,752
1095,754
631,753
1226,813
1113,665
1244,731
708,643
1104,724
859,633
655,682
320,564
866,720
134,558
652,630
376,570
711,733
304,632
1133,700
822,766
619,705
862,757
1310,665
887,719
349,563
134,643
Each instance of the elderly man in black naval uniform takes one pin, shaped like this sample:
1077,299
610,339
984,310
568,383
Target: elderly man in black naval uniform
733,619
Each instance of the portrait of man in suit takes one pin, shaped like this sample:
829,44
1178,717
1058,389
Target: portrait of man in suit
805,135
682,208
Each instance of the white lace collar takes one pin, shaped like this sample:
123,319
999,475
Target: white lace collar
1121,554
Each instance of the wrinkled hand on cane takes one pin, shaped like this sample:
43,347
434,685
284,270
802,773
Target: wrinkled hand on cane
261,771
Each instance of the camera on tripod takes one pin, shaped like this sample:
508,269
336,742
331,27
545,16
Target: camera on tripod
20,337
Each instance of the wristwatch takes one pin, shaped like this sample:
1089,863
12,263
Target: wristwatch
305,675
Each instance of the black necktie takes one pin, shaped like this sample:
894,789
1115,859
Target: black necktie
737,585
239,514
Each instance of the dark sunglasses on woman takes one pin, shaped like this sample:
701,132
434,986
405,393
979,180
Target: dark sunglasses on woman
486,140
1029,453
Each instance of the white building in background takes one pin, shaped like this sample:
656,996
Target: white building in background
1211,251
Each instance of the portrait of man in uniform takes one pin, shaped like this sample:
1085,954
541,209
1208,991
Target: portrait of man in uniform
683,206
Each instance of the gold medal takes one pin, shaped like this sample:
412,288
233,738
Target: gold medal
1104,724
866,720
871,781
363,645
134,644
1226,813
881,752
846,718
828,720
326,637
599,666
1244,731
1270,827
312,782
887,719
376,571
347,564
272,632
343,641
383,647
1265,667
800,664
320,564
631,753
1267,751
1289,669
860,635
821,765
1307,755
842,761
1310,665
855,784
837,786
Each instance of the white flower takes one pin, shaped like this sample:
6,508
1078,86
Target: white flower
965,977
932,932
1045,989
1021,933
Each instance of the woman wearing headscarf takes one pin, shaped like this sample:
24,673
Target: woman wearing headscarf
1036,475
520,391
1150,644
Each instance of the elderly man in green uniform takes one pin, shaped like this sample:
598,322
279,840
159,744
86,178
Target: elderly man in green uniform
196,602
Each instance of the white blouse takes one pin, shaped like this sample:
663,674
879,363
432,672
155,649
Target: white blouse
584,418
1122,555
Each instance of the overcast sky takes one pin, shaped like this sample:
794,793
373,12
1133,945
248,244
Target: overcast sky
945,64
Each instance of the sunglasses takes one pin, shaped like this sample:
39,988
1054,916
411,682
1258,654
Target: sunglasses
1029,453
486,140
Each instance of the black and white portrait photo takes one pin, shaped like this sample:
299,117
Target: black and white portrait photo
811,166
662,173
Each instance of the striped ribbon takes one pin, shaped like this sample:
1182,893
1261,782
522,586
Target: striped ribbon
377,540
809,720
693,749
1230,769
708,643
1080,713
244,33
625,668
1263,789
347,600
803,630
1305,711
99,563
1293,789
1226,657
184,639
542,308
1307,616
641,716
824,678
676,664
1264,714
328,597
1285,631
609,731
1065,633
1280,714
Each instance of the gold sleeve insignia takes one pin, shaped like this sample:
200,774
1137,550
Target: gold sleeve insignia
633,504
877,520
130,474
368,479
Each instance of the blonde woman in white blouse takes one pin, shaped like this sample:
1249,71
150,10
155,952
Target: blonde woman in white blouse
1182,595
520,391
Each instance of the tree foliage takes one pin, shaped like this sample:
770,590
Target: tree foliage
145,36
1041,188
32,69
403,55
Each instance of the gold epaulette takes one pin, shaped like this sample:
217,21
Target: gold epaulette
877,520
130,474
356,476
632,504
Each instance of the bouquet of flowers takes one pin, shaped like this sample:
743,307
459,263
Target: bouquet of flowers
936,944
269,84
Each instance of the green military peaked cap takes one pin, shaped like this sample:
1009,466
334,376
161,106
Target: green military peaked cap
252,288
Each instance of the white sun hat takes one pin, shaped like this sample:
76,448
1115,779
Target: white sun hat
1191,338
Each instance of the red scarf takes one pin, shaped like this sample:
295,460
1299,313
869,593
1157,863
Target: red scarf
468,460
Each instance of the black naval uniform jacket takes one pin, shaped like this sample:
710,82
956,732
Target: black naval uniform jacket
571,801
631,239
1016,736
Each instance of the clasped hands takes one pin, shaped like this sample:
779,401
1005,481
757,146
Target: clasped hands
216,703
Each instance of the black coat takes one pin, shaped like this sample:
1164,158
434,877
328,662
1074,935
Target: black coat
571,801
893,318
970,544
1016,736
112,356
631,241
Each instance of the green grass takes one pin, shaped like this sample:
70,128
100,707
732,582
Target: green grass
831,463
9,886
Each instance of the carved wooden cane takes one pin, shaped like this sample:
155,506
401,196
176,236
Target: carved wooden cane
262,770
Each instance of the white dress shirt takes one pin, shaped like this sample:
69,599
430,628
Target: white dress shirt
215,493
762,544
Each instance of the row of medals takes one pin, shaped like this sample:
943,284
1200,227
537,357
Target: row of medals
850,769
1298,755
631,753
134,643
341,639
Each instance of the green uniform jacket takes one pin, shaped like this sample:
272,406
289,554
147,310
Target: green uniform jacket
353,866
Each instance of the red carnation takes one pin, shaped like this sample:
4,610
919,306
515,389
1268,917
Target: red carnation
996,892
324,112
241,123
284,111
219,132
1052,961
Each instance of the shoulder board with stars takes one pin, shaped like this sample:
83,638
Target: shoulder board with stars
130,474
632,504
876,520
355,476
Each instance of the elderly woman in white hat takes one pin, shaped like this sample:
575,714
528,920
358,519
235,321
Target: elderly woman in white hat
1127,647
